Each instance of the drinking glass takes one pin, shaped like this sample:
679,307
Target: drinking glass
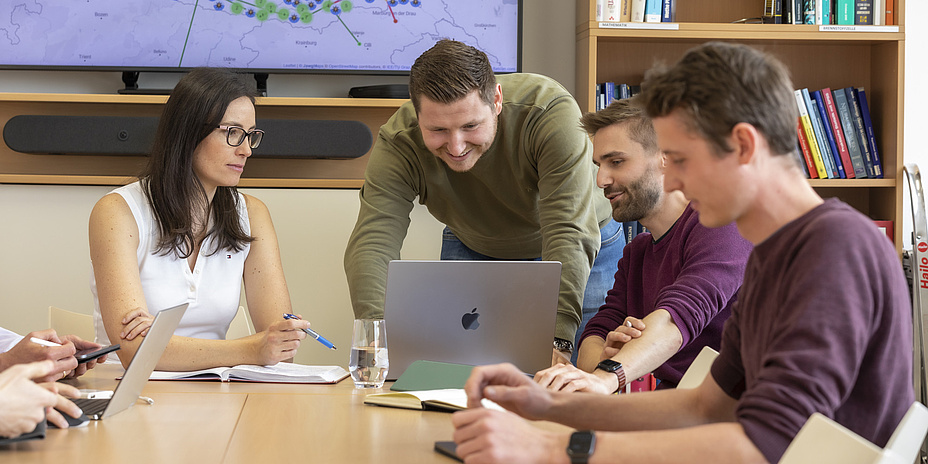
368,362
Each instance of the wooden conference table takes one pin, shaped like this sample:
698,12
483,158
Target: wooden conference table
237,422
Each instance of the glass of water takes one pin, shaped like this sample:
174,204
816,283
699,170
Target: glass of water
368,362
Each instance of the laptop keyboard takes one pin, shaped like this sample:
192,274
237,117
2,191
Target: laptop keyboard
92,407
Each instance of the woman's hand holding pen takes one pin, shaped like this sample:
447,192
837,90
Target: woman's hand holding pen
280,341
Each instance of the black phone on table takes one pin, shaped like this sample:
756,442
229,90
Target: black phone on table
448,448
93,353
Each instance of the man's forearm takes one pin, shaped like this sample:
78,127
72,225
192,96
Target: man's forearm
660,340
589,355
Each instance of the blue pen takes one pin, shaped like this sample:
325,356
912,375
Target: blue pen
312,333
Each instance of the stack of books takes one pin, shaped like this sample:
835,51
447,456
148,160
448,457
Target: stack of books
836,139
636,11
841,12
608,91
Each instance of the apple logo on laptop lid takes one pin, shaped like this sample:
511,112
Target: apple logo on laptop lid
469,320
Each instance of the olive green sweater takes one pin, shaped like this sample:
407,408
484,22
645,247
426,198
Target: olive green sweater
531,194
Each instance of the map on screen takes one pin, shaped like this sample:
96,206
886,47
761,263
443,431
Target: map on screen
282,35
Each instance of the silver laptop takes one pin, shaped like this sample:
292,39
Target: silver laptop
471,312
141,366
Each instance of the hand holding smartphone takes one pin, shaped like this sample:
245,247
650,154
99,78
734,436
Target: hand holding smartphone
90,354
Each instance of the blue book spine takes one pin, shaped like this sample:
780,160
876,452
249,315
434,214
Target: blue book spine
610,92
861,132
624,92
629,228
850,137
871,135
652,11
829,132
667,11
819,136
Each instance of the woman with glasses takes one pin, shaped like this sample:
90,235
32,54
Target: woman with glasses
183,233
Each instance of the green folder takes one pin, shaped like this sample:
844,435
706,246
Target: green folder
432,375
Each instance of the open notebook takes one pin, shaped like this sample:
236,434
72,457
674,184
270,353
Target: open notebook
449,400
279,373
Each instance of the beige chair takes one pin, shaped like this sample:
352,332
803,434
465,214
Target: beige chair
71,323
824,441
699,369
241,325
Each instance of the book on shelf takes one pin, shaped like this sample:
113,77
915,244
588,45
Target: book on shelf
826,11
638,11
805,152
818,12
887,228
868,129
612,10
850,133
599,9
863,12
837,132
278,373
810,136
807,8
652,11
819,103
860,130
820,135
770,12
668,11
890,12
878,15
844,12
625,14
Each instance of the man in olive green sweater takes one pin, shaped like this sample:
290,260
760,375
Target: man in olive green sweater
503,163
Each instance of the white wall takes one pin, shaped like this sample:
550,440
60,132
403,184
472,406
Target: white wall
916,100
44,228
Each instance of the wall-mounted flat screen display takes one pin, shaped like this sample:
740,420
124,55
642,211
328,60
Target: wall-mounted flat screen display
288,36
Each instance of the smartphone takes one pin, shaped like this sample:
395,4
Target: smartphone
448,448
94,353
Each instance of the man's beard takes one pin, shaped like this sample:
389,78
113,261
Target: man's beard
640,198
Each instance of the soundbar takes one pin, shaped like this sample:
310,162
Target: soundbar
133,136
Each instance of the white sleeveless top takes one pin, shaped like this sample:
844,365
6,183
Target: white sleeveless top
212,290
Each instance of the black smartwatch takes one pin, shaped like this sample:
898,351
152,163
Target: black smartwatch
581,446
616,368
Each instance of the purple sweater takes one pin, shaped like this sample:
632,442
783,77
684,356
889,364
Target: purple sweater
823,324
693,272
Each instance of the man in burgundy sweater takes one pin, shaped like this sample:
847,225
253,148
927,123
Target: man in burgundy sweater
822,322
674,286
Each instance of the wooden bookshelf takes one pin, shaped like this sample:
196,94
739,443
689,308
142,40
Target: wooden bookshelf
24,168
869,57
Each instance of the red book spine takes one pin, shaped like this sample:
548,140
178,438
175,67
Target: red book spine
839,134
806,153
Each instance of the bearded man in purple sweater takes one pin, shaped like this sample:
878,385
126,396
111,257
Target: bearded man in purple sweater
822,322
674,286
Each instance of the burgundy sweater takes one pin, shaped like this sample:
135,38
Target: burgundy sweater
692,271
822,324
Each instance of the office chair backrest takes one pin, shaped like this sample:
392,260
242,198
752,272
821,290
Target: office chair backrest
824,441
699,369
909,435
71,323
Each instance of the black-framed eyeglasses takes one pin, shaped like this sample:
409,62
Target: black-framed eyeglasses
235,135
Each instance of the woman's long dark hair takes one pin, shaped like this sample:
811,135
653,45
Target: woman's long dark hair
196,106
